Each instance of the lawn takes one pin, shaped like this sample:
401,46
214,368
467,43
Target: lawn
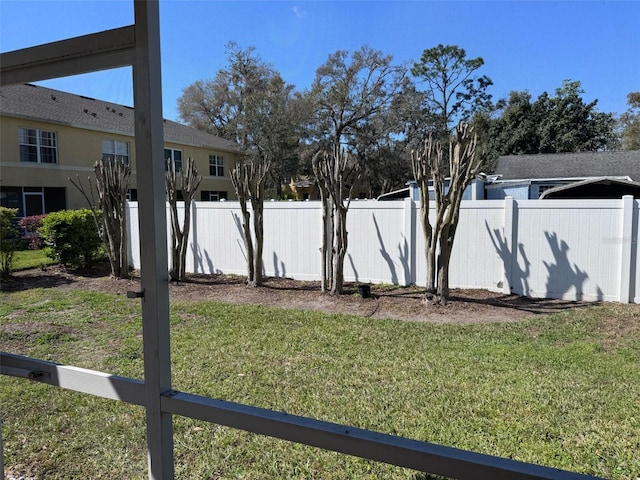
561,390
24,259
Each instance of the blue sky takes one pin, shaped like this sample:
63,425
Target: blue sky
526,45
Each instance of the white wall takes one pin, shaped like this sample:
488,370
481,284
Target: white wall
570,249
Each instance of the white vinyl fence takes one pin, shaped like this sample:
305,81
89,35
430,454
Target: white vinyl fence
569,249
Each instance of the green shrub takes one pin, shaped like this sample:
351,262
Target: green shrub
30,227
8,240
71,237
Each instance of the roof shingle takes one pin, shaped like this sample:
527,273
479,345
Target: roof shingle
41,103
570,165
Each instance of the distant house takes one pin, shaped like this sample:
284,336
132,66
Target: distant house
49,136
304,187
524,177
474,191
604,187
529,176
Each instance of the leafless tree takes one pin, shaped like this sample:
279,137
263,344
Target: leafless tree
186,181
427,169
248,181
109,210
337,174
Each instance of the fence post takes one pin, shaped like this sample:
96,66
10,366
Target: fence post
1,448
193,229
510,234
626,250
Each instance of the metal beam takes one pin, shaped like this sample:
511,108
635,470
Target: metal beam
399,451
89,53
77,379
403,452
147,94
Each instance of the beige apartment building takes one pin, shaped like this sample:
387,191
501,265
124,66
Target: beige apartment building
48,136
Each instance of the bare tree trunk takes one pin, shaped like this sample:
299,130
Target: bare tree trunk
330,241
239,178
340,250
248,181
444,256
184,240
248,244
109,210
426,165
258,228
174,270
331,172
324,248
187,180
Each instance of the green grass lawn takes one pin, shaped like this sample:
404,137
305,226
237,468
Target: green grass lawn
24,259
562,390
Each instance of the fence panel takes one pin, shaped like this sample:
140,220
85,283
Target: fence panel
378,249
569,249
218,243
292,240
476,260
565,249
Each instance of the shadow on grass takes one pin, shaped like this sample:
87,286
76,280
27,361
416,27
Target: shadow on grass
52,276
20,283
527,304
428,476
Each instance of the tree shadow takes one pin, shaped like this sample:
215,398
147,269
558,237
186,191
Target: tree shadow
385,254
403,254
277,266
429,476
561,275
353,267
201,255
238,223
537,306
45,279
53,276
517,276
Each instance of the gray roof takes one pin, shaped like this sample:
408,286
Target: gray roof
628,188
570,165
41,103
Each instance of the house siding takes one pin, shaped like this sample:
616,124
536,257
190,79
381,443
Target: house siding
77,150
499,192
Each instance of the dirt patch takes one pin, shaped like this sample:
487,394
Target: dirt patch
406,303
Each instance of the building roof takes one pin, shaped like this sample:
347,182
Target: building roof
45,104
570,165
594,188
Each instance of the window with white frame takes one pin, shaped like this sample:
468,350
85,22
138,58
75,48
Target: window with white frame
213,195
112,149
38,146
216,165
175,155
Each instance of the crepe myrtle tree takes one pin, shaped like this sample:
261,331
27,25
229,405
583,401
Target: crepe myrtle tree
349,91
248,180
187,181
109,210
337,174
427,168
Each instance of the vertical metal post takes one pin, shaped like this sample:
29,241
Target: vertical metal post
153,236
626,249
1,447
